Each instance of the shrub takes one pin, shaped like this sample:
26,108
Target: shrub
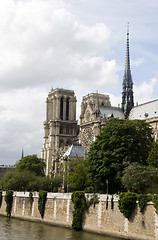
9,201
41,202
30,198
155,201
80,205
127,203
1,198
107,202
143,199
112,202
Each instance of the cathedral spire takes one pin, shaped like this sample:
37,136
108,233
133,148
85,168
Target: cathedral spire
127,86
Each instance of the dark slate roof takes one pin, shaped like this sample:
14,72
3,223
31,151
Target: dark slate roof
108,112
75,151
145,111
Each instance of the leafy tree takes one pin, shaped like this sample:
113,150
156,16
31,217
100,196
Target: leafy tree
31,163
6,180
78,176
18,180
153,155
120,143
140,179
46,184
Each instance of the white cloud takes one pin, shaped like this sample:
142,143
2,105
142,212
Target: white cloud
44,43
22,113
144,91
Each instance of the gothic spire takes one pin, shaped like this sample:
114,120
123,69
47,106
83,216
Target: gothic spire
127,86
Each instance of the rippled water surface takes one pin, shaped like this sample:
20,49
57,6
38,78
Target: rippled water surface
14,229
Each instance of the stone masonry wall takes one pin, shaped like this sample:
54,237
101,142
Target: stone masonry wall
59,211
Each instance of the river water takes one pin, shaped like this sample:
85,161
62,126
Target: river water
15,229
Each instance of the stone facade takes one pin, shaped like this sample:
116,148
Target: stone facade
60,127
59,212
96,110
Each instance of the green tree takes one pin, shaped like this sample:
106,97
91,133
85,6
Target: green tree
18,180
140,179
78,175
120,143
46,183
153,155
31,163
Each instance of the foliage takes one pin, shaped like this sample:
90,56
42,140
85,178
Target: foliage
155,201
46,184
17,180
120,143
93,200
107,202
80,205
153,155
143,199
1,197
26,180
9,201
141,179
112,202
77,175
31,163
127,203
6,180
42,201
30,198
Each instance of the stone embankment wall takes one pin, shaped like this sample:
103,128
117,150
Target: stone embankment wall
59,211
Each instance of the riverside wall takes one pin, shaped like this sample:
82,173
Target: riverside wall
59,211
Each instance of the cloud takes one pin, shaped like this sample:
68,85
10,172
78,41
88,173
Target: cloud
22,113
144,91
42,43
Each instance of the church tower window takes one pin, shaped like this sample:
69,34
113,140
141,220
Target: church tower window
67,109
61,108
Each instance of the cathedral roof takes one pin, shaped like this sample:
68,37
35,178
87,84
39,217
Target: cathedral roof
75,151
107,112
145,111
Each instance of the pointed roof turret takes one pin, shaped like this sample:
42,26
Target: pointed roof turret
127,86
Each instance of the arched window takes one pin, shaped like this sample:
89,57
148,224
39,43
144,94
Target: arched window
61,108
67,109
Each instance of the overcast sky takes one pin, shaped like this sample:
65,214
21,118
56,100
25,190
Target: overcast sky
72,44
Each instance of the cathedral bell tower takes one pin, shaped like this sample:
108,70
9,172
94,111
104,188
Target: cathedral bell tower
60,127
127,86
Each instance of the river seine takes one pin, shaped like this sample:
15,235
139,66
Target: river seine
15,229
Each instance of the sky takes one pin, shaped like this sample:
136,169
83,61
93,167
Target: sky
70,44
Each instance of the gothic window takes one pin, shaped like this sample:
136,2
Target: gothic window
61,108
67,109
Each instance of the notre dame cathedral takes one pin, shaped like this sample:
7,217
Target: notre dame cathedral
63,137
